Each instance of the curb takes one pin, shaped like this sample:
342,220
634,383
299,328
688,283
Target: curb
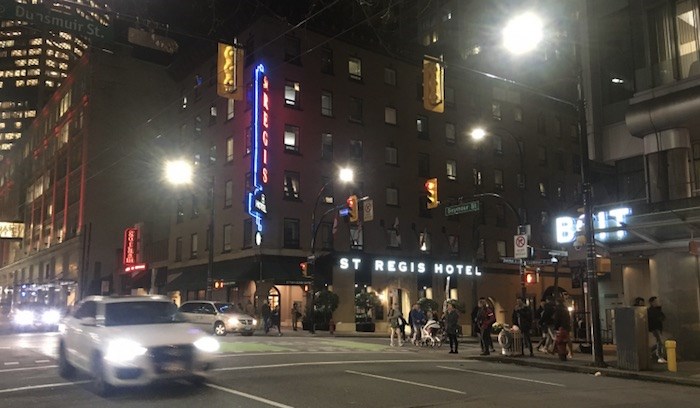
608,372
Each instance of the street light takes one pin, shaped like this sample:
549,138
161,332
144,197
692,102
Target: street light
180,172
345,175
519,38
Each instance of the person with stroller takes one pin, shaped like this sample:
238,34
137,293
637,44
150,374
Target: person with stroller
417,320
430,331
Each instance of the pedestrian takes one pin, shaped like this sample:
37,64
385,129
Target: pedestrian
452,327
402,327
522,317
655,318
275,320
562,325
638,301
296,314
266,314
393,317
547,326
417,319
475,327
485,319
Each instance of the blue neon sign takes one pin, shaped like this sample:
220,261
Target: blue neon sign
257,207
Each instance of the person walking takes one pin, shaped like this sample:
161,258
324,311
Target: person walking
562,325
276,320
547,326
452,328
266,314
417,320
486,318
656,317
296,314
394,318
522,317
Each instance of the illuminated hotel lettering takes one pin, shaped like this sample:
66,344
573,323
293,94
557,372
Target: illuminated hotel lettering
401,266
568,228
131,240
259,162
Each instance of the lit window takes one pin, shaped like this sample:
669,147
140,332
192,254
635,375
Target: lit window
327,146
390,76
424,241
451,170
392,196
229,149
422,127
391,155
229,109
291,185
355,68
291,138
326,103
291,93
228,194
496,110
390,115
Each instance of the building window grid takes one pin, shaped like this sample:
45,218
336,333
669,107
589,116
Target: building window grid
327,103
451,169
226,237
392,196
327,146
194,243
391,155
291,138
355,68
390,115
292,90
291,185
291,233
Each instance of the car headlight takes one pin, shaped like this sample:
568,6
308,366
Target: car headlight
51,317
207,344
24,317
255,322
123,350
233,321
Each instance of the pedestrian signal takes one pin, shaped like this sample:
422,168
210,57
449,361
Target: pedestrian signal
352,208
219,284
529,277
304,267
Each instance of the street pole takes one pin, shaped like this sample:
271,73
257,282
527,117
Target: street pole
210,263
311,263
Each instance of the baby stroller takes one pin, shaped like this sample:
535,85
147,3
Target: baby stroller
431,334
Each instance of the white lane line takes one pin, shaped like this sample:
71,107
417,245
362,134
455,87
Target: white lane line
249,396
322,363
503,376
435,387
11,363
41,361
38,387
9,370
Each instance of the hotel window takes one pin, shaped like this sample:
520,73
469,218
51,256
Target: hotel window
501,249
291,93
424,241
422,127
392,196
194,243
325,233
228,194
453,242
390,76
497,145
195,207
450,137
229,109
178,249
291,138
355,68
477,177
180,211
561,161
423,165
542,188
247,233
291,233
292,50
356,238
227,238
291,185
391,155
355,109
394,238
498,179
212,114
326,103
327,146
390,115
212,154
229,149
326,61
328,190
451,167
356,150
673,40
496,110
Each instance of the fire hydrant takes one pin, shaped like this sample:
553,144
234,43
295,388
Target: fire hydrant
331,326
671,355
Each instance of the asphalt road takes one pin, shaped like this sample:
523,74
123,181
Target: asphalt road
330,372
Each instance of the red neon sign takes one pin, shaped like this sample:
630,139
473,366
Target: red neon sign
131,240
265,126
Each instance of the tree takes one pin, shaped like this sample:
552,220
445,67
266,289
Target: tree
366,301
428,305
325,303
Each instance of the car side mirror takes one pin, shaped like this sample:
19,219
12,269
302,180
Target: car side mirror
88,321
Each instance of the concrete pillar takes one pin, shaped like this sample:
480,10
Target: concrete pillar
675,279
344,287
669,174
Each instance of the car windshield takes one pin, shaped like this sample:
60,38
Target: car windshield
147,312
227,308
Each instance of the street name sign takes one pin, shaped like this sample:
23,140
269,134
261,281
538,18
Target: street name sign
470,206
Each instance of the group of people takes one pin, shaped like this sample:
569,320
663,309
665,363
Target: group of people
270,317
554,321
655,320
423,324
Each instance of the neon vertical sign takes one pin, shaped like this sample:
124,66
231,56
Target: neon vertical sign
257,206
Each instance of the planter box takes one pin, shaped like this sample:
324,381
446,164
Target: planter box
365,327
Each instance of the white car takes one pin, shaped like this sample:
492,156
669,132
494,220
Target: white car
132,340
219,317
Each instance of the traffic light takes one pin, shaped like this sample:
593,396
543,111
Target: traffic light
431,187
229,72
304,267
352,208
529,277
218,284
433,85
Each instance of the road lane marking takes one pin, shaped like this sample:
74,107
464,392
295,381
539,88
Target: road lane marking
9,370
296,353
502,376
11,363
38,387
249,396
42,361
435,387
319,363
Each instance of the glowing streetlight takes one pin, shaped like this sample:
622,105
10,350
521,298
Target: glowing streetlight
346,175
478,134
523,33
178,172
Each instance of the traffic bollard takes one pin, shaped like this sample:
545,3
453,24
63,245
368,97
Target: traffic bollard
671,355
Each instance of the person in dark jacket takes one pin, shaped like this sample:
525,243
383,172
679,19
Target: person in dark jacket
451,327
656,318
266,314
547,324
485,319
522,317
562,330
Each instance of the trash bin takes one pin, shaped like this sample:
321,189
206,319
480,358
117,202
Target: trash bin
511,341
632,338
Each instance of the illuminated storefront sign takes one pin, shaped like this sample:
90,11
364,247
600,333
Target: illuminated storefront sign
568,228
12,230
259,162
131,245
135,268
403,266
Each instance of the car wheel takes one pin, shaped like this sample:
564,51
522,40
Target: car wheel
220,329
99,380
250,333
65,369
197,380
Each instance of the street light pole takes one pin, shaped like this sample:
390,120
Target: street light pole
210,263
311,264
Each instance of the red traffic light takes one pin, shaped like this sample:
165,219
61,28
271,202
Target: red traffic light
304,267
529,277
219,284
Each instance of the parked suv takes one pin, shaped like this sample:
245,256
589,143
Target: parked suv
132,340
220,317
